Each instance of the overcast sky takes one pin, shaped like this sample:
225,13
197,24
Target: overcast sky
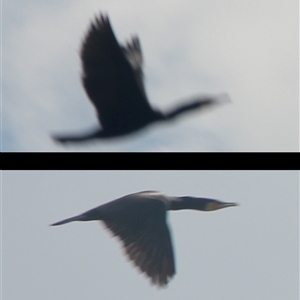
248,49
246,252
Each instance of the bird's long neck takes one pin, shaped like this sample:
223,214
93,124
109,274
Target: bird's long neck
187,202
196,104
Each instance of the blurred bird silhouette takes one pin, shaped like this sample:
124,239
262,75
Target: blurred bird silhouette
139,221
113,80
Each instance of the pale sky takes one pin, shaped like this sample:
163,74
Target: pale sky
248,49
246,252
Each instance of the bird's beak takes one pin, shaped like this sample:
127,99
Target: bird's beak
229,204
224,205
220,205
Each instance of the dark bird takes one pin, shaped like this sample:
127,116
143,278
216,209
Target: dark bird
139,220
112,76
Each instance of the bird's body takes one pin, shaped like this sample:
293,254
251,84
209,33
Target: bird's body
113,80
139,220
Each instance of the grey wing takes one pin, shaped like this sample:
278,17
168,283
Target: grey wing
148,244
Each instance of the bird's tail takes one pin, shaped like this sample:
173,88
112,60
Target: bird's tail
65,139
77,218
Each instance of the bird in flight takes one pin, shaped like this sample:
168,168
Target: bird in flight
139,221
112,77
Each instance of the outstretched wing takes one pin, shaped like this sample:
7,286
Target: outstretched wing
112,76
147,242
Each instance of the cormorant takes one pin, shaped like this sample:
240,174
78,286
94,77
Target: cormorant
112,77
139,221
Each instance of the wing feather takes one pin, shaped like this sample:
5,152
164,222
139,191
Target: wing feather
149,246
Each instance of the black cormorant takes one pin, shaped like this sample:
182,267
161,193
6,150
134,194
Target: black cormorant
113,80
139,220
